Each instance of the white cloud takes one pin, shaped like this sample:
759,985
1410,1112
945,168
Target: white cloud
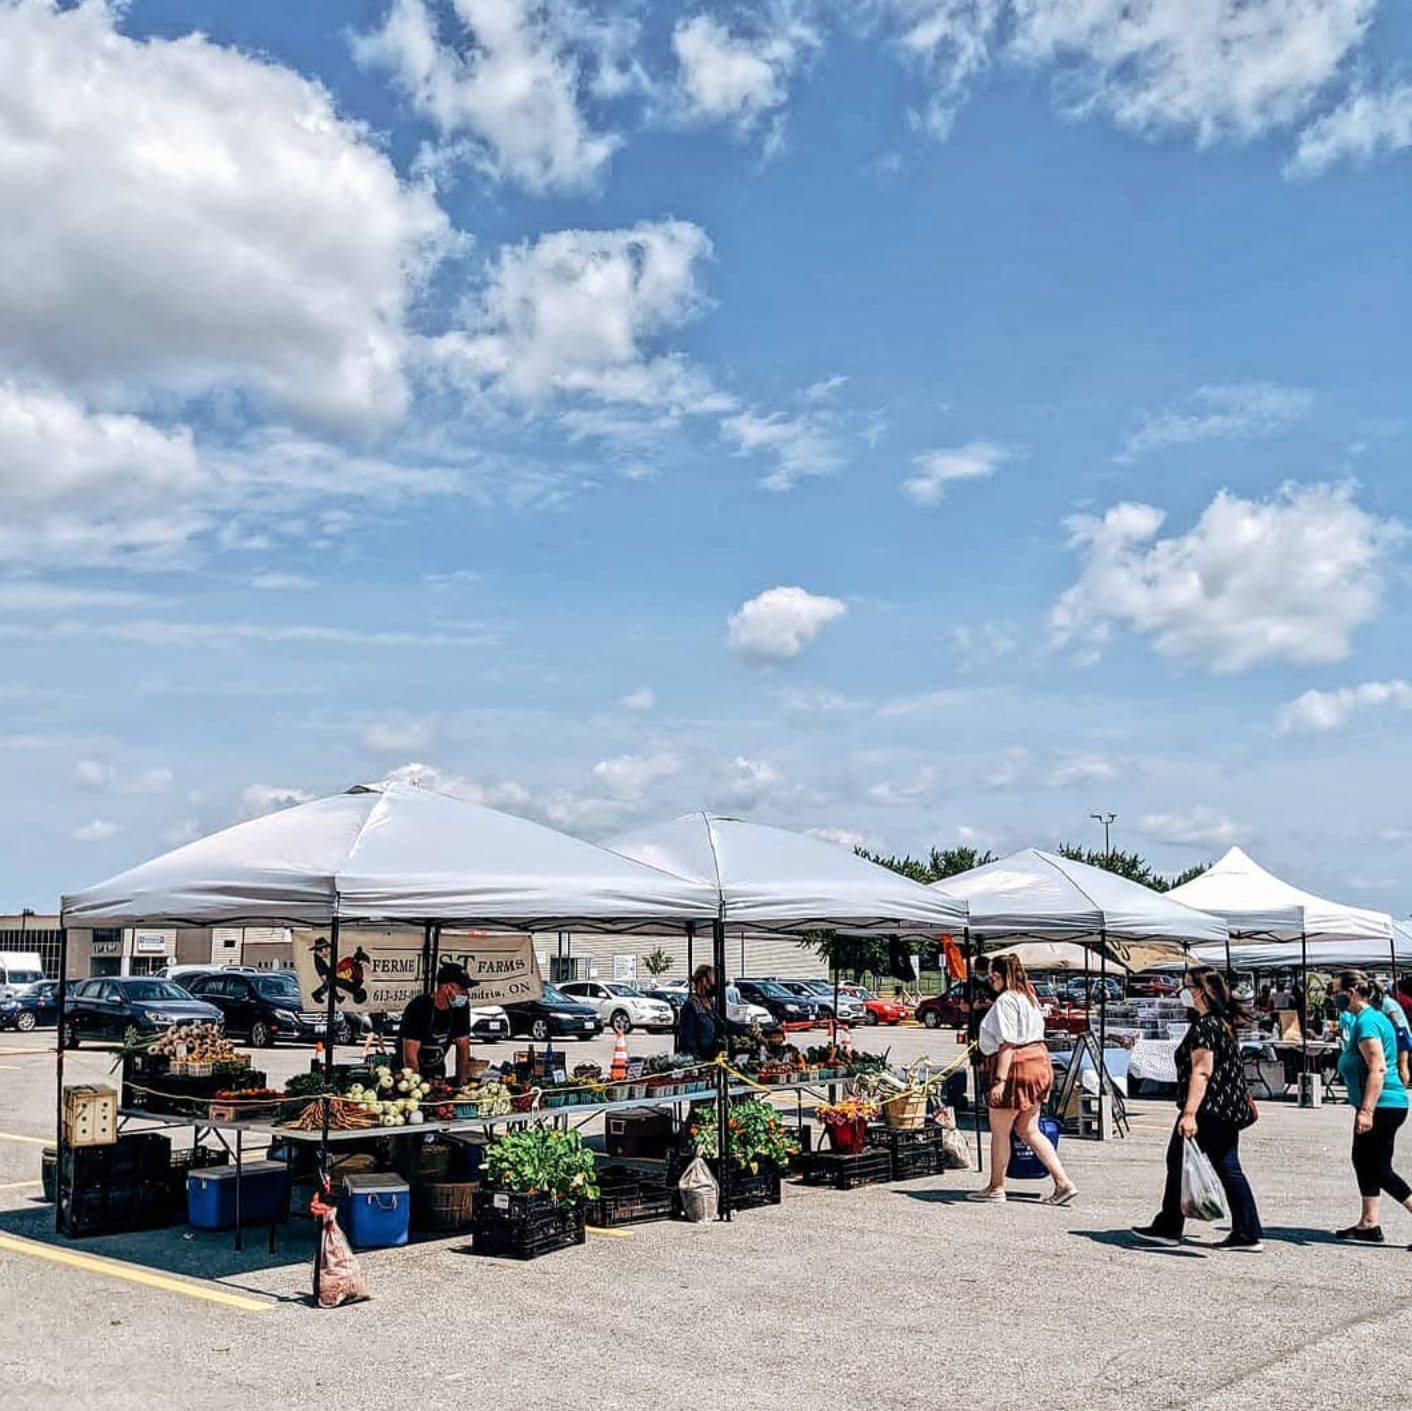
1316,712
844,837
97,774
951,40
1235,411
41,596
397,736
257,799
282,582
644,698
739,78
936,469
1218,68
507,794
628,777
1197,827
1009,769
1081,769
183,217
745,783
187,831
510,84
893,795
99,830
1290,578
1366,125
165,633
779,623
575,312
801,446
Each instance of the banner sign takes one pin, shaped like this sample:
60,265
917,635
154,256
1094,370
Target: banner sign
379,972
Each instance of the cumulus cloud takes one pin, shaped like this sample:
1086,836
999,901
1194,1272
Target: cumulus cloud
1235,411
507,794
1366,125
1290,578
1317,712
801,447
98,831
510,82
892,794
779,623
397,736
98,774
845,838
1197,827
744,783
258,799
935,470
627,777
740,77
1081,769
642,699
578,312
182,218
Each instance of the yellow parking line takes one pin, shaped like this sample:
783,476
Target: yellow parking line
15,1137
16,1185
116,1269
612,1234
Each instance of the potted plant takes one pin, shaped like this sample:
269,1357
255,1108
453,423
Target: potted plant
846,1122
542,1161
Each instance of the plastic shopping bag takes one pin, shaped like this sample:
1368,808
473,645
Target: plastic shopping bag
700,1194
338,1277
955,1153
1201,1191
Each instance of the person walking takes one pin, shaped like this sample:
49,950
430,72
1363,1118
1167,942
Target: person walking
1020,1078
1216,1107
1376,1092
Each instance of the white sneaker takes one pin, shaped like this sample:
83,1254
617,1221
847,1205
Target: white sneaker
988,1195
1062,1195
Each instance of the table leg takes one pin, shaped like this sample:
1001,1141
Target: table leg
239,1172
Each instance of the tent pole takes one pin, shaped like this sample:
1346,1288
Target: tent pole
1392,956
426,958
325,1190
1102,1029
59,1046
1303,1011
690,941
1230,973
971,1029
723,1081
833,1022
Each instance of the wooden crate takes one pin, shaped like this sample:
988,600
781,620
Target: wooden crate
90,1115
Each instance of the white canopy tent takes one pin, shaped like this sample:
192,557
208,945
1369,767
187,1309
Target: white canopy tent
393,852
1257,905
772,879
1323,955
1049,955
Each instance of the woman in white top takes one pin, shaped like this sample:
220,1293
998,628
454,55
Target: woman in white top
1020,1076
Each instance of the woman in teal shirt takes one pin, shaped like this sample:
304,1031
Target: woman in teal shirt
1368,1066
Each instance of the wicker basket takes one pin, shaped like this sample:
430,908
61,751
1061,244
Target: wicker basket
443,1205
907,1110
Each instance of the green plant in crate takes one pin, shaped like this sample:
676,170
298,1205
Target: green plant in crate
756,1135
542,1161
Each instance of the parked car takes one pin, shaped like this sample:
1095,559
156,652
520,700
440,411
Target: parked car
19,969
489,1023
1153,987
850,1009
951,1009
1074,989
878,1010
784,1007
266,1006
182,973
127,1007
676,998
33,1007
554,1016
739,1010
623,1007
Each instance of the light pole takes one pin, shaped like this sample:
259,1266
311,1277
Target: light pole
1106,819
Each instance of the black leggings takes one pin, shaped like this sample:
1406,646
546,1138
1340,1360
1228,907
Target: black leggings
1372,1155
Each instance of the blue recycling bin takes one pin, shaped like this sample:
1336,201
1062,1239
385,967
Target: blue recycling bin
1024,1164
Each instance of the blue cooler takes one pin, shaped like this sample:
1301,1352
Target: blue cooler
1024,1164
210,1195
374,1209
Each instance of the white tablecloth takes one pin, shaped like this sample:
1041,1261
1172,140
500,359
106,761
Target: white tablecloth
1154,1060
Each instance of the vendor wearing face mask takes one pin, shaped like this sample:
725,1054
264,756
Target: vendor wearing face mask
432,1023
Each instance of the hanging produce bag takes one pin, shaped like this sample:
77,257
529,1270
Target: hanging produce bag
955,1154
338,1277
700,1194
1201,1191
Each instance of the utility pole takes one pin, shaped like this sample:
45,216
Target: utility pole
1106,819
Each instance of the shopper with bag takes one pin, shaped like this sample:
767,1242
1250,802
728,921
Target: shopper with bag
1368,1067
1020,1078
1216,1107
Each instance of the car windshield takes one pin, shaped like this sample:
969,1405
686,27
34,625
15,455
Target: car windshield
279,987
24,977
626,991
149,990
769,987
555,996
862,994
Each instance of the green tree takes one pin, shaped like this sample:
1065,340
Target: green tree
938,863
1131,865
657,963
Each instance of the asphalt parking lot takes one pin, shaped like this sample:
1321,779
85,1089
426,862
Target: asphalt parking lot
894,1296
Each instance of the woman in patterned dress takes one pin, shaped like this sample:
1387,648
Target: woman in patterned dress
1215,1107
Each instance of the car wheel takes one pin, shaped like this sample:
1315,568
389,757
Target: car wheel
539,1030
932,1019
71,1035
262,1036
621,1022
25,1022
869,1017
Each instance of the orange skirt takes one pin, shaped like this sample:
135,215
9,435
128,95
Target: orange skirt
1030,1081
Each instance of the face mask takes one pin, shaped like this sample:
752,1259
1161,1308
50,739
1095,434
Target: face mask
460,1001
1187,997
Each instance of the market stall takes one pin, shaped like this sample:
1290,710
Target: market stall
1259,907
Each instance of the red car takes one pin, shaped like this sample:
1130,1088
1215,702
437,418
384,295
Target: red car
950,1009
878,1010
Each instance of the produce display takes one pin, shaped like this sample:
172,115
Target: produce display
756,1135
542,1161
395,1099
197,1044
343,1116
490,1098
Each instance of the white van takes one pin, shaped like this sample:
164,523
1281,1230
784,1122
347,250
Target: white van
19,968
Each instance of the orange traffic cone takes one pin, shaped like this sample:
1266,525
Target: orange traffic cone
619,1070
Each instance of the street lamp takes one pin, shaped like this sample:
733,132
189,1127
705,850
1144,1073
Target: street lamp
1106,819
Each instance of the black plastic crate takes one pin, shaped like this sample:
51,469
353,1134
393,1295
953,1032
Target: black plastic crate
135,1156
509,1225
901,1138
911,1162
845,1170
116,1209
632,1205
748,1190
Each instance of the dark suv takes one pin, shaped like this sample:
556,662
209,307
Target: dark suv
786,1008
264,1007
127,1007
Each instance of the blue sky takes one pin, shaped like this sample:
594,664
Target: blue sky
915,421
